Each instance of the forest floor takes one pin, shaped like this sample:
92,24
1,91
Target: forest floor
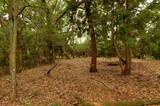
71,78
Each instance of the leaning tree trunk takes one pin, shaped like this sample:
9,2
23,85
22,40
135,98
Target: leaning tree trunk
91,32
12,7
124,63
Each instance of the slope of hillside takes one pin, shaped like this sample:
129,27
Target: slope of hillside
70,78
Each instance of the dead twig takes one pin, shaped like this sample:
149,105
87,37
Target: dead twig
103,84
49,71
114,63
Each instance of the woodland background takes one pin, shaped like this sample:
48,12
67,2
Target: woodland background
38,32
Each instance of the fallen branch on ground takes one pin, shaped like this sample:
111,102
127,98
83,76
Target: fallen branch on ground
49,71
104,84
114,63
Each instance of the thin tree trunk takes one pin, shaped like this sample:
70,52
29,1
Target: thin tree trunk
19,52
117,52
124,63
114,43
12,6
127,68
91,32
93,67
49,40
116,49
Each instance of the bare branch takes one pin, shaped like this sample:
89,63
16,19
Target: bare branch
48,72
22,10
68,8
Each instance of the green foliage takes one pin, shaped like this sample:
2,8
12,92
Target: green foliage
149,58
105,51
133,103
124,103
81,102
55,104
42,38
28,103
81,49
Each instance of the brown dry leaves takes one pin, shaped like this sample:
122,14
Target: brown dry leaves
71,78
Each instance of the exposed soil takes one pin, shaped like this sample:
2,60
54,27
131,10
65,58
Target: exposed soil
71,78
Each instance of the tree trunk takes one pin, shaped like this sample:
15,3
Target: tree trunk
127,67
125,63
93,67
91,32
12,7
49,30
19,52
115,47
117,52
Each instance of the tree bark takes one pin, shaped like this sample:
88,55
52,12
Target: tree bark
117,52
125,62
93,67
91,32
127,67
12,7
19,52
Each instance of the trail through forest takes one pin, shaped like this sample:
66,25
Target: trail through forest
71,78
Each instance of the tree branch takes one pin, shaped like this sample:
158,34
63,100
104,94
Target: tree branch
22,10
67,9
28,5
48,72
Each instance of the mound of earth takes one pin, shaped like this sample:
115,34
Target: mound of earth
71,78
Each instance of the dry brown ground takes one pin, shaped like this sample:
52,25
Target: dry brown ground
71,78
